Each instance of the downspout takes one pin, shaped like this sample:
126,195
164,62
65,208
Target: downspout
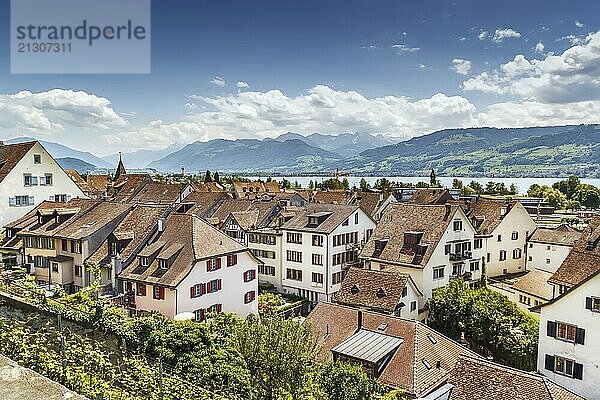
327,269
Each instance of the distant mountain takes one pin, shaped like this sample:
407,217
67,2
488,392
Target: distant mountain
344,144
61,151
538,151
142,158
74,163
248,155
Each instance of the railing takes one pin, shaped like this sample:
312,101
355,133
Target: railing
461,256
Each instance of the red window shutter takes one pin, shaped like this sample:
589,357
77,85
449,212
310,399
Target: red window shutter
143,290
161,293
234,259
208,265
218,284
192,292
219,307
218,263
202,314
203,288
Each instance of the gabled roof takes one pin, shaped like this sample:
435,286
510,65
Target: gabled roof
370,201
562,235
584,258
206,187
247,220
368,346
430,221
372,289
338,213
413,367
11,154
205,203
78,207
134,228
158,193
475,378
128,185
535,283
266,210
189,239
486,214
97,183
77,179
93,220
120,168
431,196
332,196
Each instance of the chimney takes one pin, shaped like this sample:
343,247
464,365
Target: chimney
359,322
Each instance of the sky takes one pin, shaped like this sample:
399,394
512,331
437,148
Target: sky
255,69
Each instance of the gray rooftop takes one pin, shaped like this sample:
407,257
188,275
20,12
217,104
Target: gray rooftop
368,346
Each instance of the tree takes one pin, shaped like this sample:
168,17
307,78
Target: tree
553,196
216,177
342,381
476,186
346,184
383,184
311,185
587,195
513,189
364,185
207,176
568,186
433,178
457,184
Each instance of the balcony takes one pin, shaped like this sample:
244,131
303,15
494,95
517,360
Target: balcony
466,255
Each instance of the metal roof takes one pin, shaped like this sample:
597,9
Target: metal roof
368,346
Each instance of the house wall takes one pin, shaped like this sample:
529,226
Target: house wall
517,220
13,184
525,300
545,256
571,309
273,262
166,307
233,288
306,287
412,295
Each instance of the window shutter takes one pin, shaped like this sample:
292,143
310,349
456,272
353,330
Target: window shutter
192,292
207,265
549,364
13,202
551,329
234,261
31,201
588,303
218,263
218,284
578,371
203,288
143,290
161,293
580,336
219,307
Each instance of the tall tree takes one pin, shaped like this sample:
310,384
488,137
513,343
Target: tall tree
433,178
207,176
364,185
216,177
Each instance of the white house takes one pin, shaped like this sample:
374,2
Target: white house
319,244
504,227
547,248
569,349
431,243
28,176
193,267
266,244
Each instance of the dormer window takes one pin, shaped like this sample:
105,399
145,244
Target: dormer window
380,245
354,289
412,238
163,264
40,220
144,261
380,293
113,249
37,158
9,233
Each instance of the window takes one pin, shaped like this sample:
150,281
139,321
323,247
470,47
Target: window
78,270
438,272
356,219
113,249
317,279
197,290
295,238
215,308
231,260
249,297
565,331
413,306
457,269
46,180
162,264
29,180
502,255
346,222
60,198
295,256
213,265
54,267
317,240
488,257
478,243
141,289
404,291
530,258
524,300
343,258
337,278
457,225
266,270
317,259
249,275
499,238
447,249
564,366
213,286
37,159
21,201
547,261
514,235
592,303
294,274
75,246
144,261
516,254
158,293
345,238
474,266
199,314
263,253
531,245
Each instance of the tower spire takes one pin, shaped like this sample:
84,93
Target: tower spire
120,168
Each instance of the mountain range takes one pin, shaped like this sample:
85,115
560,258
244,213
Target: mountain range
535,151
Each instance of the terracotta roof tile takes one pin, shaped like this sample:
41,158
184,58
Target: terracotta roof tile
338,214
486,214
430,196
93,220
535,282
562,235
11,154
158,193
332,196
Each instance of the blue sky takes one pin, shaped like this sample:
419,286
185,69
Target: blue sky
400,68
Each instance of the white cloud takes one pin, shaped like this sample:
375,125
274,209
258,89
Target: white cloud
461,66
462,39
218,81
482,35
242,85
572,76
578,24
575,40
402,48
506,33
539,48
49,112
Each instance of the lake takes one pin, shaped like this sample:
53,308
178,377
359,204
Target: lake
522,183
